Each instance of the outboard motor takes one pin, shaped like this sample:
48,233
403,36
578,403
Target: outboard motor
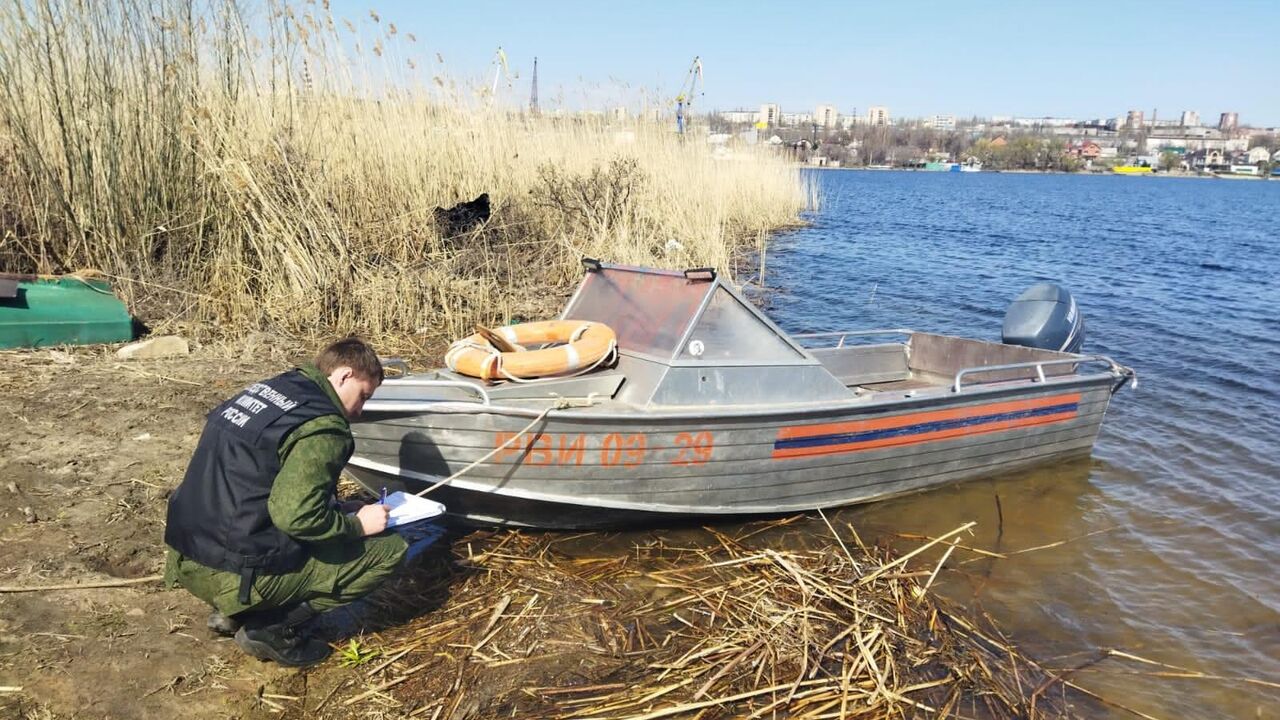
1044,316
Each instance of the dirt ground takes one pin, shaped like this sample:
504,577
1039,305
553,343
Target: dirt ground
90,447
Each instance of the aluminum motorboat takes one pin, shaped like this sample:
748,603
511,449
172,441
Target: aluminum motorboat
711,409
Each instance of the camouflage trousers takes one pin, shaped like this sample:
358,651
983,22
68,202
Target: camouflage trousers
337,573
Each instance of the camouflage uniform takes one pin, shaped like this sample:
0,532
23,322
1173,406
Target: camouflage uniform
342,566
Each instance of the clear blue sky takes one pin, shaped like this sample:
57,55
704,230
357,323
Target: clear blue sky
964,58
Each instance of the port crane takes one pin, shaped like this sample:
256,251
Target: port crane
500,70
684,101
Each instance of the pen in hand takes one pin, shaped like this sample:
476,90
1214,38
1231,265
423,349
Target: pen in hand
384,495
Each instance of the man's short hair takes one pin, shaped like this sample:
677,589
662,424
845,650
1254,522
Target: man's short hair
354,353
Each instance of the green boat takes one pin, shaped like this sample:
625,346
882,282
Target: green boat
38,311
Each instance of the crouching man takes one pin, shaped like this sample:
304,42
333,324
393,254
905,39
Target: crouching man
254,529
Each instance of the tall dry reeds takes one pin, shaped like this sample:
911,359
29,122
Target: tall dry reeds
278,168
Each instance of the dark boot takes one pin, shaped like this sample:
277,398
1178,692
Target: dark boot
286,641
220,624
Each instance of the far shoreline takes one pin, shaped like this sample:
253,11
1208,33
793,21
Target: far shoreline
1100,173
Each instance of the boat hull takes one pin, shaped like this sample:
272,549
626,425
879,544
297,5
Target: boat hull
600,467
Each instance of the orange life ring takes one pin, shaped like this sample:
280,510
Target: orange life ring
586,344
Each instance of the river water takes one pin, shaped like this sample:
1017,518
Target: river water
1174,524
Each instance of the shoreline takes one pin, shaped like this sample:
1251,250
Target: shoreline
1103,173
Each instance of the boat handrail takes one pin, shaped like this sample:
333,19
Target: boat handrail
1039,366
848,333
413,382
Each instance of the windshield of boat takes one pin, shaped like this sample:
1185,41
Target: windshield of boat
649,310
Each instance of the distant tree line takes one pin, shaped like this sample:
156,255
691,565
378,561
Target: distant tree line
899,144
1269,141
1025,152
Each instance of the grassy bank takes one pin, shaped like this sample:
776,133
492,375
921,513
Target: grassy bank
277,168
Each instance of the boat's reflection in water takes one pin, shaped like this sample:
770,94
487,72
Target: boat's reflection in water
1013,511
1049,505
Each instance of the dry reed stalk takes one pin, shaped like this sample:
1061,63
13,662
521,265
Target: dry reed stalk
329,695
902,560
127,582
1175,671
976,551
951,546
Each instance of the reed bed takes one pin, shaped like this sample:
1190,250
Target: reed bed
276,166
722,630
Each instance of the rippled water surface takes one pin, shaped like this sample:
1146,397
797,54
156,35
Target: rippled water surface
1174,524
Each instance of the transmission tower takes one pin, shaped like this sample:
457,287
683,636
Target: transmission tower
533,96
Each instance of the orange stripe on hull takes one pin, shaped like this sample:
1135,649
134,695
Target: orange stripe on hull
924,437
897,421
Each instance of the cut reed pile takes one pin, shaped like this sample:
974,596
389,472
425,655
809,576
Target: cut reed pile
726,630
278,167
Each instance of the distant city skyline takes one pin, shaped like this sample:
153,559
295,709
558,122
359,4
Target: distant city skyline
920,59
828,116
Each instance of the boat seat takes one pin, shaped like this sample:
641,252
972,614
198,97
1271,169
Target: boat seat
860,365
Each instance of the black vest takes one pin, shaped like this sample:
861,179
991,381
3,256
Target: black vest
218,515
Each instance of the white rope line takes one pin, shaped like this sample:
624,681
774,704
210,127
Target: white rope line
609,356
457,347
577,334
493,364
560,404
489,454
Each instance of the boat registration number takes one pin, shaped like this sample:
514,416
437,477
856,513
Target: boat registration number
611,450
